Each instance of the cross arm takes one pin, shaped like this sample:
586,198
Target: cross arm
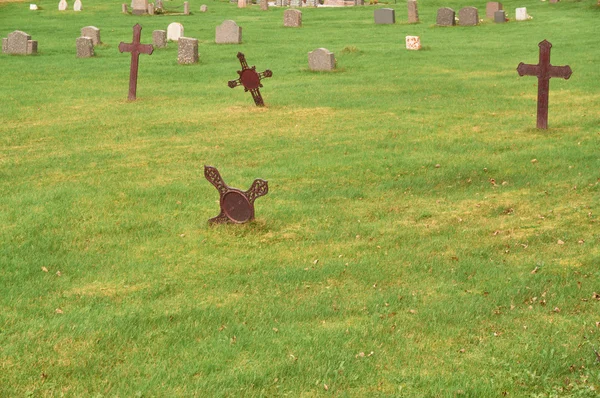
527,69
561,71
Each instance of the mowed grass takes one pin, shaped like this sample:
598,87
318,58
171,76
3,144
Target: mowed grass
420,236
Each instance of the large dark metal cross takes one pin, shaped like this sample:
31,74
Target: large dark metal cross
135,48
250,79
544,71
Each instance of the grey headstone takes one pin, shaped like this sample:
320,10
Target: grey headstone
321,59
445,17
124,8
62,5
500,16
85,47
468,16
19,42
203,8
187,52
159,38
93,33
186,7
292,18
228,33
140,7
491,8
385,16
77,5
413,14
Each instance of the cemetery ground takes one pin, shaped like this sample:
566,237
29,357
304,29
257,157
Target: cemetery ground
420,236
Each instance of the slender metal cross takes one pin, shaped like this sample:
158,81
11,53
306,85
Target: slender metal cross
135,48
250,79
544,71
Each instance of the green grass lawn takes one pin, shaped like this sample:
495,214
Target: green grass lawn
420,236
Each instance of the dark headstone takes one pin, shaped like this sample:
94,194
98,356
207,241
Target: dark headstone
446,17
500,16
385,16
468,16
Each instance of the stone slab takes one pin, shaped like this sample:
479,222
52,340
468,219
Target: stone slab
85,47
187,52
321,59
446,17
384,16
228,33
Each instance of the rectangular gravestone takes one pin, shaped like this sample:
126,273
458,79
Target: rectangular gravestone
468,16
150,8
413,14
264,5
521,14
292,18
139,7
385,16
124,8
321,59
159,38
491,8
500,16
228,33
93,33
186,7
446,17
19,42
85,47
187,52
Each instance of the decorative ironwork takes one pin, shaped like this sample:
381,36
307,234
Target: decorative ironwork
250,79
544,71
236,206
135,48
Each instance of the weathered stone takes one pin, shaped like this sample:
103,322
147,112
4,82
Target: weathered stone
491,8
93,33
186,7
203,8
413,43
77,5
413,14
19,42
521,14
385,16
85,47
468,16
321,59
242,3
292,18
228,33
500,16
62,5
158,4
124,9
159,38
187,52
33,7
150,8
139,7
174,31
445,17
295,3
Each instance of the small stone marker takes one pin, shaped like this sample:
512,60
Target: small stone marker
384,16
446,17
135,48
236,206
544,71
140,7
264,5
413,14
250,79
228,33
187,52
292,18
321,59
150,8
124,8
468,16
85,47
413,43
521,14
62,5
158,4
186,7
19,42
491,8
159,38
77,5
174,31
33,7
93,33
203,8
500,16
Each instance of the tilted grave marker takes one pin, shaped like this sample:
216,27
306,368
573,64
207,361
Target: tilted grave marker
135,48
250,79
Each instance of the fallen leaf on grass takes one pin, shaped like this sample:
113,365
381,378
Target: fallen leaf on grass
560,242
44,269
58,311
326,387
535,270
58,273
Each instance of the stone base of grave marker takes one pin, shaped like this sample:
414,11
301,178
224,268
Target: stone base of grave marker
500,16
413,43
187,50
85,47
321,59
159,38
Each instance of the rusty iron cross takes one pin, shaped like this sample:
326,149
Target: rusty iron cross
544,71
135,48
250,79
236,206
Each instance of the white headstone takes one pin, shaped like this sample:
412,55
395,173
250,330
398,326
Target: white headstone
62,5
33,7
174,31
521,14
77,5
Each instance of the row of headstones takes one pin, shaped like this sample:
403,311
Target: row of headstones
468,16
264,4
385,16
63,5
141,7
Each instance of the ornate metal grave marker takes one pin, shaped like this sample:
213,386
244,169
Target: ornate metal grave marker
544,71
135,48
250,79
236,206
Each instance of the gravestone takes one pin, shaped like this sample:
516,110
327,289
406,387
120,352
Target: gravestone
228,33
158,5
242,3
413,43
446,17
282,3
150,8
187,52
292,18
413,14
250,79
33,7
135,48
174,31
159,38
315,3
19,42
358,2
468,16
385,16
203,8
93,33
500,16
62,5
85,47
139,7
295,3
321,59
521,14
77,5
124,9
186,7
491,8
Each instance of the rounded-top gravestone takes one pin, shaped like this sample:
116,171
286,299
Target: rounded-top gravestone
174,31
